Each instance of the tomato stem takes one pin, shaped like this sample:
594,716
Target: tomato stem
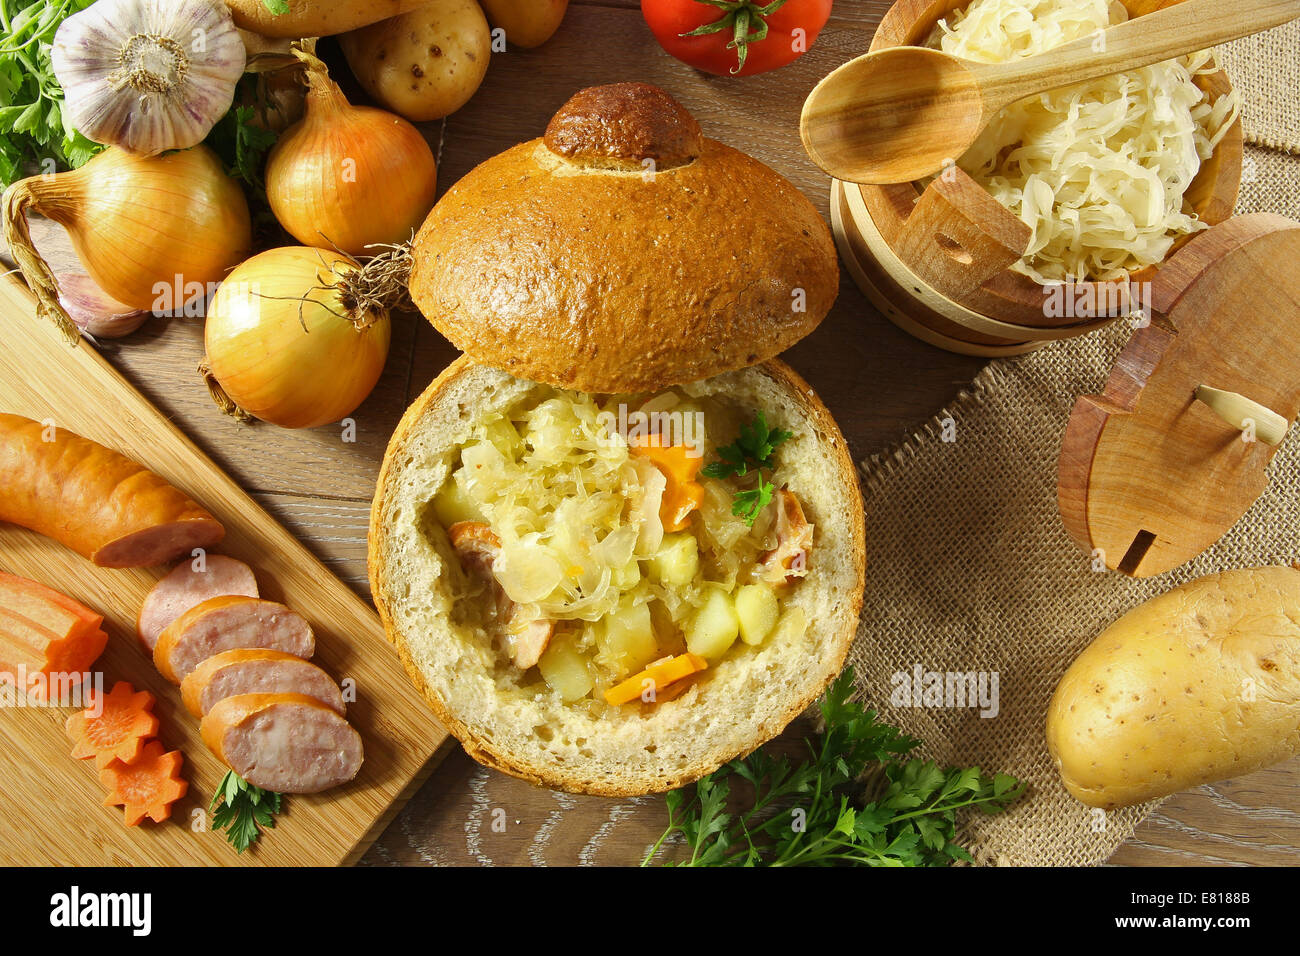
738,16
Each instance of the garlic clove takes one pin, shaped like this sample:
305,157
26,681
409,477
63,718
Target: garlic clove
94,311
148,75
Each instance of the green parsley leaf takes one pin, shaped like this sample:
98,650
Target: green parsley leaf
277,6
814,814
752,451
242,810
242,144
750,504
34,129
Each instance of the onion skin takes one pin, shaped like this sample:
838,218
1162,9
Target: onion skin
144,228
259,352
348,177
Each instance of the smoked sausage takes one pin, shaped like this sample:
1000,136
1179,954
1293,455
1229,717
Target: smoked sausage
289,743
185,587
103,505
256,671
225,623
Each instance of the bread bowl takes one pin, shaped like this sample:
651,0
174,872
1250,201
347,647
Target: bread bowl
565,590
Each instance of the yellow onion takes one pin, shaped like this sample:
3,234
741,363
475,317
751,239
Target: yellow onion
148,229
348,176
298,336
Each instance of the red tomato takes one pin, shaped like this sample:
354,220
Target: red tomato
743,37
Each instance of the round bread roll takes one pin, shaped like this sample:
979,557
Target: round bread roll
743,700
623,252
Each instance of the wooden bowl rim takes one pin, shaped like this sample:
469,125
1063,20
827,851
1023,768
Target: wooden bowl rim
1224,165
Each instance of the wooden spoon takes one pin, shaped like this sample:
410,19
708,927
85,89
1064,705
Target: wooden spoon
906,112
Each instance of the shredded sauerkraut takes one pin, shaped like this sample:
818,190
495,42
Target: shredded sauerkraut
581,539
1097,171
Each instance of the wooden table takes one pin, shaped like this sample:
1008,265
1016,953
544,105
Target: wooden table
878,382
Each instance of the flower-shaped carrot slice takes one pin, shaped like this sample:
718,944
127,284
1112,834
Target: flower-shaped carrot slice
146,787
124,722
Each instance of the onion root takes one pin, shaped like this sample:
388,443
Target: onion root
220,398
17,201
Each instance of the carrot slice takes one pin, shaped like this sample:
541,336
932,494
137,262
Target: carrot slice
147,786
683,493
45,605
125,720
45,632
660,674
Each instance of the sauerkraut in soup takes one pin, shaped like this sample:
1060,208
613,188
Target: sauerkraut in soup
598,556
1099,172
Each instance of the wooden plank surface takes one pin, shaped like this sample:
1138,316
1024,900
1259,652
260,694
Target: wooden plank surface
46,791
879,383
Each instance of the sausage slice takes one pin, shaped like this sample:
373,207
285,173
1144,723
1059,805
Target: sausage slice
289,743
525,638
184,587
788,561
225,623
257,671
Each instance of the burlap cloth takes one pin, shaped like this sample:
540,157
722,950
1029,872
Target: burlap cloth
1263,69
970,569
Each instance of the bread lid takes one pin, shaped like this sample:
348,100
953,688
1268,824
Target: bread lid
1176,449
623,252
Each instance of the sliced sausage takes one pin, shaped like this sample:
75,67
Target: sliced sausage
184,587
101,504
225,623
523,636
257,671
788,561
289,743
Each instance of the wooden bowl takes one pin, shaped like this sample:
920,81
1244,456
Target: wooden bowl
905,305
957,240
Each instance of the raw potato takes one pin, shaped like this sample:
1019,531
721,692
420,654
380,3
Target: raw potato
424,64
314,18
1196,685
528,23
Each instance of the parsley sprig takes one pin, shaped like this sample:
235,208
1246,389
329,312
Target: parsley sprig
752,451
33,126
812,813
242,144
242,809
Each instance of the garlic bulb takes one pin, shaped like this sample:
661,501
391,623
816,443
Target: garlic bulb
94,311
148,75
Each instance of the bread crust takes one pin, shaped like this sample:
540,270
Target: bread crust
817,674
622,125
567,261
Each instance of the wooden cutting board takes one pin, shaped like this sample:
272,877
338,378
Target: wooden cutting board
51,809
